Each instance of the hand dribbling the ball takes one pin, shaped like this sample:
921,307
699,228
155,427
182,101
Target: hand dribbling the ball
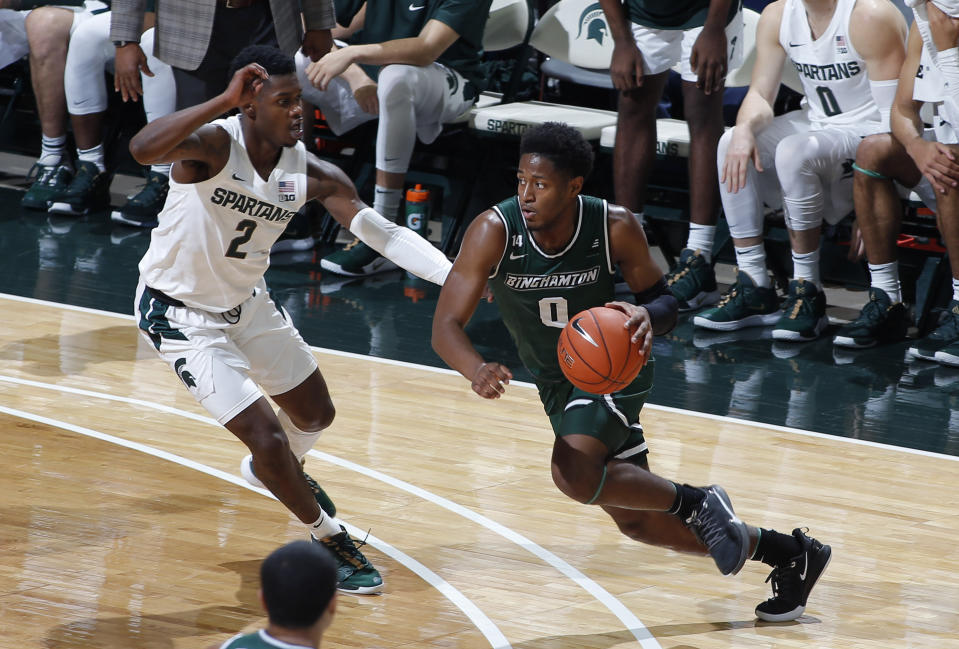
638,320
490,379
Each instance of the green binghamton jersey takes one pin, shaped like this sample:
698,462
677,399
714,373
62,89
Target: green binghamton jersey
537,293
673,14
391,19
259,640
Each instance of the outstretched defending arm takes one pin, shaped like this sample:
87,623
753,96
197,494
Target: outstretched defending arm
405,248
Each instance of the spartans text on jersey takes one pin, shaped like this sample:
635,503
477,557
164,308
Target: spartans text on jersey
250,205
829,72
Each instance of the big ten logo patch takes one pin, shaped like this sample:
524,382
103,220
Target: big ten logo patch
286,190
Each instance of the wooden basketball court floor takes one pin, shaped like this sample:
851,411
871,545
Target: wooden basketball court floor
125,522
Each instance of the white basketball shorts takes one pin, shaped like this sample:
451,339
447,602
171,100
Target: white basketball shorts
222,357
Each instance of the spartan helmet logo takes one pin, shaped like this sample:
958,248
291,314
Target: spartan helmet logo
182,372
593,22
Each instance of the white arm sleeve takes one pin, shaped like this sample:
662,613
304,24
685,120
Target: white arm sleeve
884,93
401,245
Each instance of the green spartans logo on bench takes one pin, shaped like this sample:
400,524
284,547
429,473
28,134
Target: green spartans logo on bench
594,21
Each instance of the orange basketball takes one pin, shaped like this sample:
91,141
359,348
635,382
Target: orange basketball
596,353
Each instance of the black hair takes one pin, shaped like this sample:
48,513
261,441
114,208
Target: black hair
298,581
563,145
273,60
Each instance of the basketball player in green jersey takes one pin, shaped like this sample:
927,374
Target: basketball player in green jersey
298,591
548,253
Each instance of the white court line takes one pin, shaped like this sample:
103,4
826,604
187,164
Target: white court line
632,623
524,384
486,626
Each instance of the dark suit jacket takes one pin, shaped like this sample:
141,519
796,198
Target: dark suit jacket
183,27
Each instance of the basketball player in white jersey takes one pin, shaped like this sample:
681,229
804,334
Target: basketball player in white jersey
925,160
202,301
848,54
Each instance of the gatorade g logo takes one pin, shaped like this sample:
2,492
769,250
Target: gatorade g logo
414,221
183,373
594,22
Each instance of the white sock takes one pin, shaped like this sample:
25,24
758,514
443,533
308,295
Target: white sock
806,266
161,169
701,239
387,201
752,261
323,526
955,289
401,245
94,155
886,277
52,150
301,441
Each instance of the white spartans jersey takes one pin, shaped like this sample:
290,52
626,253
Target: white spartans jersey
947,111
928,85
212,244
832,72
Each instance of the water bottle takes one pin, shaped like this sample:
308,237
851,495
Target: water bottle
418,210
418,213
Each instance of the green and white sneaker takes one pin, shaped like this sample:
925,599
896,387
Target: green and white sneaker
944,335
89,191
743,305
692,281
322,499
142,208
49,181
356,260
879,321
804,313
354,573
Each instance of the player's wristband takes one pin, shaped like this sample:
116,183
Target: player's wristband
662,306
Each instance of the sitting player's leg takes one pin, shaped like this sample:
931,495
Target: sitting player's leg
159,99
947,218
881,161
86,95
812,167
704,115
48,31
751,300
